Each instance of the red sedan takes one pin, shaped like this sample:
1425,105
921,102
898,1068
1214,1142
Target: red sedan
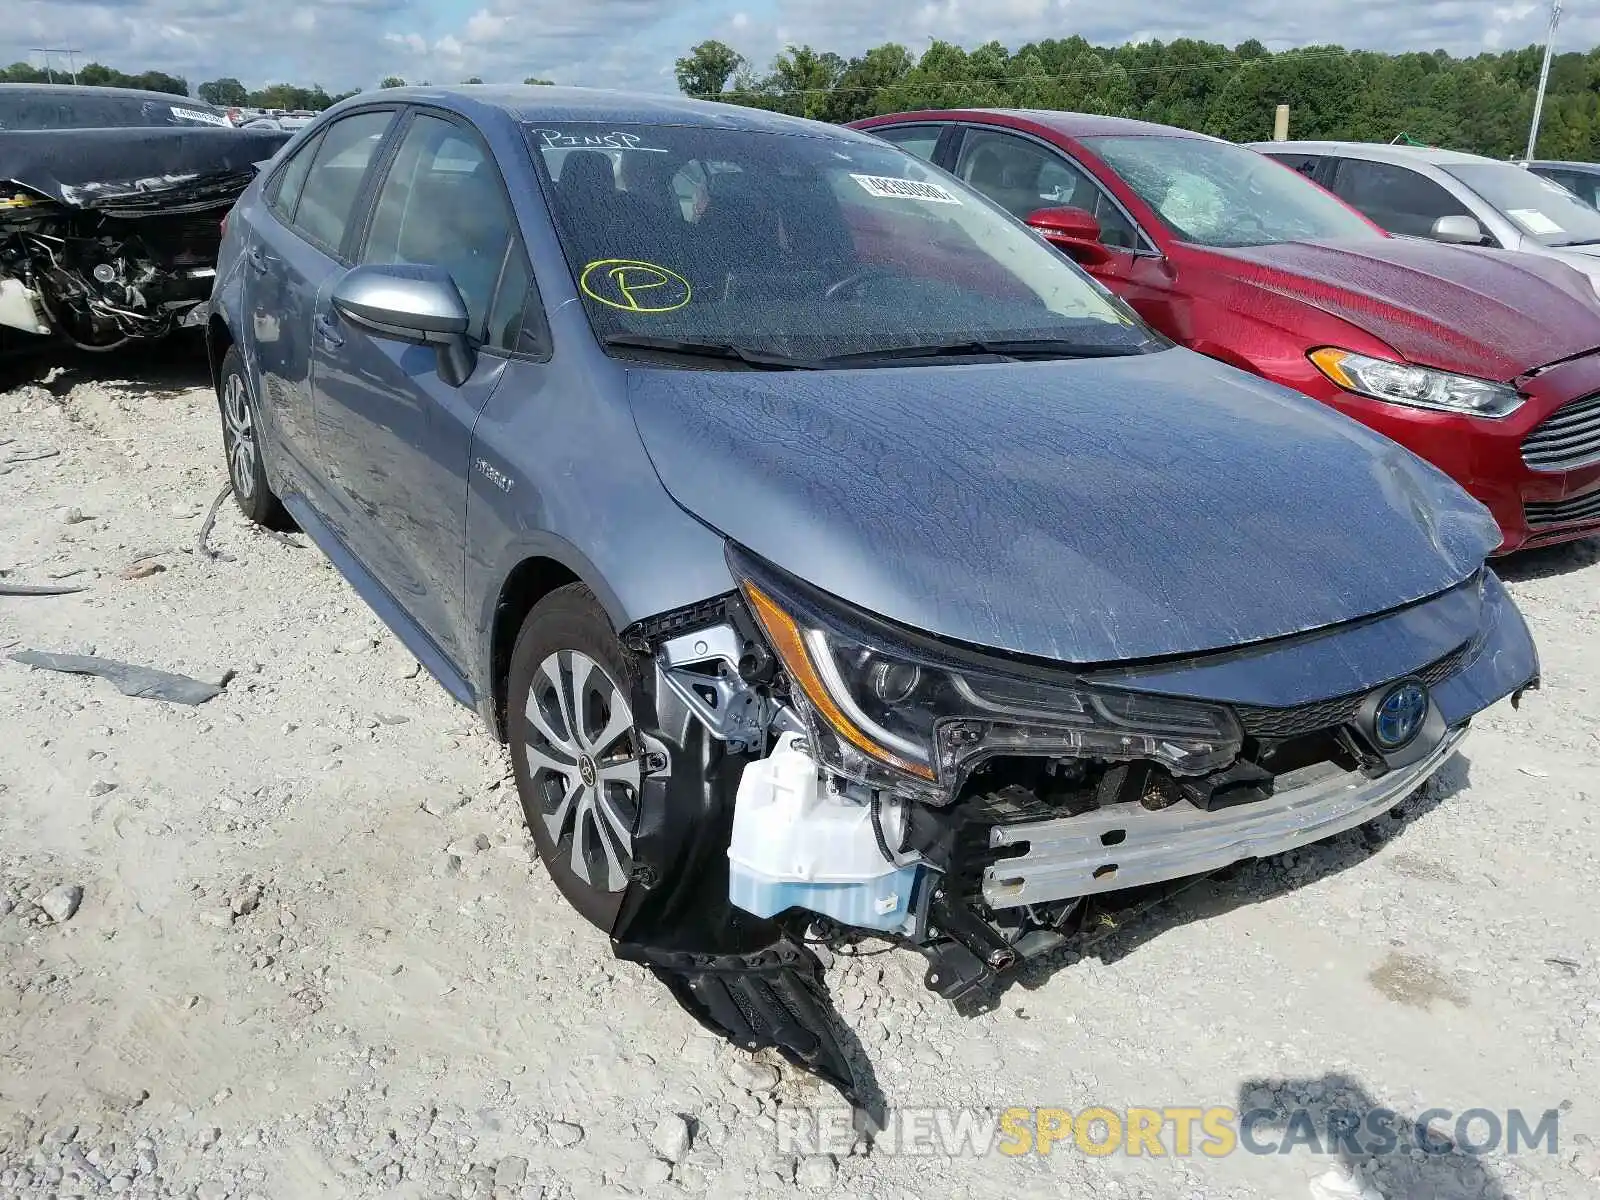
1485,363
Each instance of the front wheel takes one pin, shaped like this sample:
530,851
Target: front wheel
575,750
241,443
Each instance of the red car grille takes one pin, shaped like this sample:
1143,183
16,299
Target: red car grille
1569,438
1563,512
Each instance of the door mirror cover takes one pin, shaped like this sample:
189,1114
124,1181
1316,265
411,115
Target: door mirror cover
1074,230
1458,229
413,303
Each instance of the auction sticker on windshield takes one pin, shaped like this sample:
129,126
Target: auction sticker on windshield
1534,221
193,114
886,187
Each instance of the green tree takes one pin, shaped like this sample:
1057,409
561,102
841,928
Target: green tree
707,68
472,79
392,81
803,79
226,92
540,82
868,84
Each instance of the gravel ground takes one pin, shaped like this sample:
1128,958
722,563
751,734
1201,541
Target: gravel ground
293,942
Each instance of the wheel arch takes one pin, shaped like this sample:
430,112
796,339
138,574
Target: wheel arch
219,338
528,582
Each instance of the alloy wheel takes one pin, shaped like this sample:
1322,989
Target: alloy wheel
583,757
241,433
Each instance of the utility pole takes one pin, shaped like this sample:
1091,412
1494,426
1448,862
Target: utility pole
72,60
1544,77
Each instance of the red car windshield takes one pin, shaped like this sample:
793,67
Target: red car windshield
1219,194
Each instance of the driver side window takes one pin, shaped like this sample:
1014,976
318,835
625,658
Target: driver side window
1023,177
443,205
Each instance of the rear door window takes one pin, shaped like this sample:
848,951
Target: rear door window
1306,164
333,182
921,140
283,189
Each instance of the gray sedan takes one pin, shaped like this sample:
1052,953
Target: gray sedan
838,560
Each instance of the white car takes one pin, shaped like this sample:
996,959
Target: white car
1448,196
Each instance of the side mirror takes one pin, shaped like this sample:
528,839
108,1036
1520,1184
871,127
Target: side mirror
415,304
1073,230
1457,230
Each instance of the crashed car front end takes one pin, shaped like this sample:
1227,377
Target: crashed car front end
824,775
110,235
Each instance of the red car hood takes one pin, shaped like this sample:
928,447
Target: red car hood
1489,313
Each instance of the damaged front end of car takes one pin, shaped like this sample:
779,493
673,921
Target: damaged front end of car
111,235
817,775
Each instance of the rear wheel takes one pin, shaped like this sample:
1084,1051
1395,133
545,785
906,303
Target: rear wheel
242,445
575,750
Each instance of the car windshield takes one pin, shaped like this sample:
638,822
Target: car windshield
1219,194
793,246
35,108
1542,209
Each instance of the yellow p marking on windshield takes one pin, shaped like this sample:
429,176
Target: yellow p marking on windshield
634,286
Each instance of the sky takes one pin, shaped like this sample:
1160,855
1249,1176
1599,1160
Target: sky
346,44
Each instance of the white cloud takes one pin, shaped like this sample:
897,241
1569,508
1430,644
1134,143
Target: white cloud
485,26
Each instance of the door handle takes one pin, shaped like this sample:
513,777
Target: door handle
256,259
326,331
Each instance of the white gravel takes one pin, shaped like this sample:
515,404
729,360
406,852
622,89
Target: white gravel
300,966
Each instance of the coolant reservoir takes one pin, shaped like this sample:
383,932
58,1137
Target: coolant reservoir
796,846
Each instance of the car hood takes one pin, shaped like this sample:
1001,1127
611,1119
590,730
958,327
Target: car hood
1086,511
1489,313
136,170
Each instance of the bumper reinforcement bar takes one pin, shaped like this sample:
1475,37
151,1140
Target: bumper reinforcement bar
1127,845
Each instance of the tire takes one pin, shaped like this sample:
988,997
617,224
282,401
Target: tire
241,446
578,779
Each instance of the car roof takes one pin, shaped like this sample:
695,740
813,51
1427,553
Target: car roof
1587,168
1071,124
111,93
1379,152
542,103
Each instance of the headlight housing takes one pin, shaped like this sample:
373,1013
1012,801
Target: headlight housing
1416,387
898,711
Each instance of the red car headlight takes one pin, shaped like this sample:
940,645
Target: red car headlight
1417,387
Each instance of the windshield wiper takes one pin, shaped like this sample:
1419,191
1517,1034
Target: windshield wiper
724,350
1013,350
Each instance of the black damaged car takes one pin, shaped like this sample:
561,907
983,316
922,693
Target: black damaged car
111,206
